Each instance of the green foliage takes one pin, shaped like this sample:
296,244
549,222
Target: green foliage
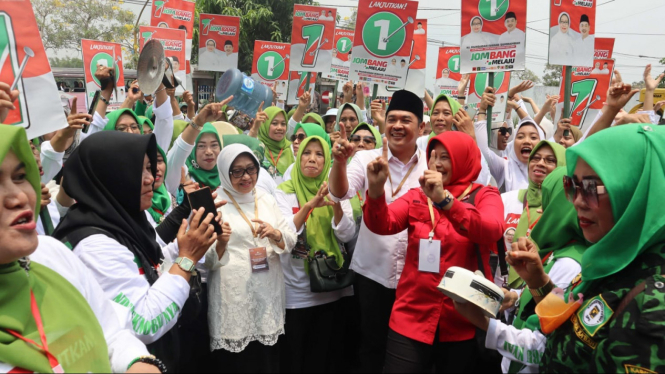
552,75
66,62
259,20
527,75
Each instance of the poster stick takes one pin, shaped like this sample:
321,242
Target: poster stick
568,78
309,76
490,83
375,91
334,99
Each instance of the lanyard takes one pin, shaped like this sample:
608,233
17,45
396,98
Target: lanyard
256,211
528,220
395,192
278,156
360,198
53,361
431,210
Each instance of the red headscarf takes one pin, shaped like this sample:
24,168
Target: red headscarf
464,157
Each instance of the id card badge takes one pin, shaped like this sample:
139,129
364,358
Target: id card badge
430,255
259,259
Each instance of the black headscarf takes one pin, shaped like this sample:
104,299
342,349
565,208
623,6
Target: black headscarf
103,176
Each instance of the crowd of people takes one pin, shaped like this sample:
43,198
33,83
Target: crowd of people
316,256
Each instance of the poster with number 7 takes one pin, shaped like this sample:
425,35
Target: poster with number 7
312,38
382,42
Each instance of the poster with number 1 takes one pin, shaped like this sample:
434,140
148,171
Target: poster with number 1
341,55
382,43
271,66
448,71
312,38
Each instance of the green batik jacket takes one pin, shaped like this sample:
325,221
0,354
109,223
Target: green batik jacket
595,340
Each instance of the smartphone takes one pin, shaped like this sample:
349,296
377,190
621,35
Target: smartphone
93,106
202,198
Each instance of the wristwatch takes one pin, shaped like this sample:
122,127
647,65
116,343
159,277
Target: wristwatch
195,126
542,291
185,264
446,201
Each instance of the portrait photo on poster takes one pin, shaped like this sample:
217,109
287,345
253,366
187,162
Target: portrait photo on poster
572,30
218,42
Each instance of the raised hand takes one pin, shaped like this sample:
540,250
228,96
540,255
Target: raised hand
619,95
527,263
464,123
76,121
488,99
305,99
564,124
188,98
320,199
194,243
134,96
347,89
616,78
378,172
378,110
7,99
274,94
633,118
525,85
103,75
432,181
342,149
649,82
463,82
46,196
211,112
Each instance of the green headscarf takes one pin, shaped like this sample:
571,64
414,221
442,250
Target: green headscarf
209,178
557,232
320,235
149,112
252,143
178,128
65,328
629,160
455,106
316,117
348,106
273,146
161,198
373,130
145,121
115,115
534,202
312,129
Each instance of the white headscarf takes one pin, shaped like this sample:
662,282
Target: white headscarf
224,162
516,173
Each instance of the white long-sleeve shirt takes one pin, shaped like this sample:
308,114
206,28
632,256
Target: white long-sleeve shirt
149,311
298,294
381,257
123,346
163,125
51,161
175,160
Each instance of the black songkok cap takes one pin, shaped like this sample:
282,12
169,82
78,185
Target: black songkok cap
510,15
584,18
407,101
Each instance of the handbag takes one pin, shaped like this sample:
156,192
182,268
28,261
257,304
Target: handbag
325,275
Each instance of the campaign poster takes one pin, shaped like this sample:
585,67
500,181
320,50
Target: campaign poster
270,66
415,78
603,48
493,35
298,80
382,44
24,64
447,71
572,30
588,92
175,14
218,42
312,38
478,83
341,56
95,54
173,41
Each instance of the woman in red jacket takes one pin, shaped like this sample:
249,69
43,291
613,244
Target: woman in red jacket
425,329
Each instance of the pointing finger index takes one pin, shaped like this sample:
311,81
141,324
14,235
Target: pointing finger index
385,149
74,105
432,163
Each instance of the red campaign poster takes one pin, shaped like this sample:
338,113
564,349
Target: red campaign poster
173,41
218,42
270,66
24,64
448,71
572,30
298,80
477,85
415,79
382,43
603,48
341,55
493,35
175,14
588,92
312,38
95,54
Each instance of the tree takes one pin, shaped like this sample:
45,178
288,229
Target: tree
66,62
63,23
350,22
259,20
527,75
552,75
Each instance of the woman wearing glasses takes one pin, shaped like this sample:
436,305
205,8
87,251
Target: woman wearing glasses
246,281
301,132
322,227
365,137
615,182
522,208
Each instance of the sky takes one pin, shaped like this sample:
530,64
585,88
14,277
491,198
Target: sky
619,19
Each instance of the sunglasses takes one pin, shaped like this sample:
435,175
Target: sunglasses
300,137
588,187
239,173
504,130
365,139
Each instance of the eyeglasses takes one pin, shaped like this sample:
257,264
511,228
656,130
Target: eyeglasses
203,147
548,160
504,130
239,173
300,137
365,139
589,189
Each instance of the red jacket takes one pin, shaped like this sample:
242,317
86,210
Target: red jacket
420,308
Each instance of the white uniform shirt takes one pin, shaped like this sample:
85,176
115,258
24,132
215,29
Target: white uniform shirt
584,51
381,257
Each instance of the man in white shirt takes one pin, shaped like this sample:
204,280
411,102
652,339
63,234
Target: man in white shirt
419,29
378,260
584,46
512,34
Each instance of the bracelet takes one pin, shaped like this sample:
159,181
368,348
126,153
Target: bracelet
485,113
195,126
461,97
542,291
103,99
150,360
158,91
